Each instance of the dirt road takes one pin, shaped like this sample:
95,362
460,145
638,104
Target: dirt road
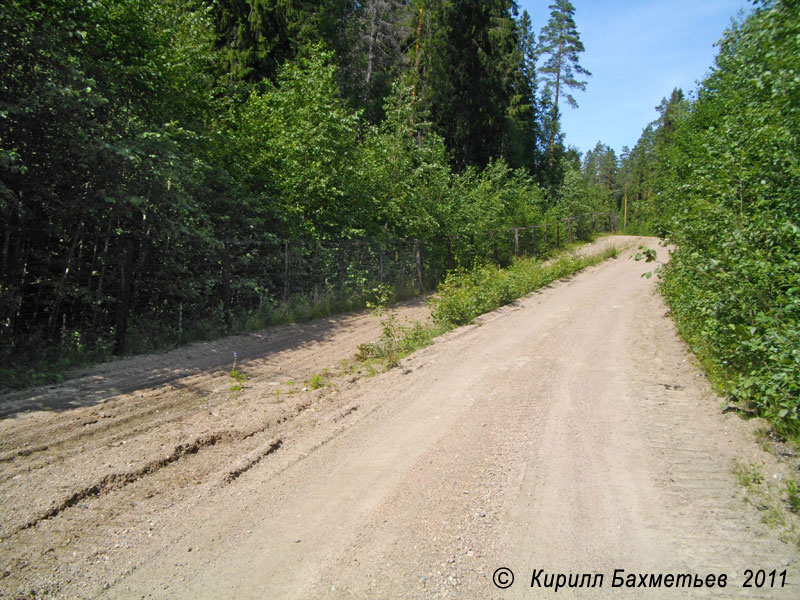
568,433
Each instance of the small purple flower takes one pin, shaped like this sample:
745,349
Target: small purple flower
234,356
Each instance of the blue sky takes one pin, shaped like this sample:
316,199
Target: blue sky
637,51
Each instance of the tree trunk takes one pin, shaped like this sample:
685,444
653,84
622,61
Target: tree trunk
52,323
124,298
416,68
625,218
555,104
418,260
373,33
226,283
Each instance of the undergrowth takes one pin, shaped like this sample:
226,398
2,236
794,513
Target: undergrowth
464,295
777,501
41,363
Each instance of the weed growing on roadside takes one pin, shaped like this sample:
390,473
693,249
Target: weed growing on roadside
762,437
779,507
748,475
370,369
237,377
316,382
792,495
381,295
773,516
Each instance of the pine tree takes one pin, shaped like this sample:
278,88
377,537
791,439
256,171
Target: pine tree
600,168
670,112
560,42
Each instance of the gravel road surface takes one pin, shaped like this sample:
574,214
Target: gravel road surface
568,433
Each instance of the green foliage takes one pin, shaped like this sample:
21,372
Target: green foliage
402,179
470,75
297,137
748,476
255,37
238,377
156,155
576,198
727,187
777,504
316,382
792,495
648,254
560,44
397,341
464,295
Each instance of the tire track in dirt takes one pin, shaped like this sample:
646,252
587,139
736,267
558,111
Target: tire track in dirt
525,439
712,532
116,481
56,464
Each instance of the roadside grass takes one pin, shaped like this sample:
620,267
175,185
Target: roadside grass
462,296
777,500
43,364
465,295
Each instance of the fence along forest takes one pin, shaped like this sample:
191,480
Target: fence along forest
174,170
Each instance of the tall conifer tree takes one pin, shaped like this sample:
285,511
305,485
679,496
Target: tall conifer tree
560,44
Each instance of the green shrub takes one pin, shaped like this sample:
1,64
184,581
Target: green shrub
731,182
464,295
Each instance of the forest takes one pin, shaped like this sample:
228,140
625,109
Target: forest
174,170
177,169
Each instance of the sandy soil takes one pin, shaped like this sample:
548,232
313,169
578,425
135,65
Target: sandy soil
568,432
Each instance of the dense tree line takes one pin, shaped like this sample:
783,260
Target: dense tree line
156,155
720,176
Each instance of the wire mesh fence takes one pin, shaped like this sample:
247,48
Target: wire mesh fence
80,287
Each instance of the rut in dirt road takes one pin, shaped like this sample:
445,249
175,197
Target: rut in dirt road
567,433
